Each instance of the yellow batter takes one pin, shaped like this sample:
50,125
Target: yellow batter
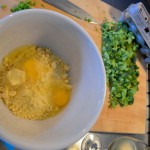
34,83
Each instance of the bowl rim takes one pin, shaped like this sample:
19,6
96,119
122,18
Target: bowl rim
79,135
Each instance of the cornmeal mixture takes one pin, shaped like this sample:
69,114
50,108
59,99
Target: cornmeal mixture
34,83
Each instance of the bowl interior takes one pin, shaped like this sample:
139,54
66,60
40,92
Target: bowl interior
75,47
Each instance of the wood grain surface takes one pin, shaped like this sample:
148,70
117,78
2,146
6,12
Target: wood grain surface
130,119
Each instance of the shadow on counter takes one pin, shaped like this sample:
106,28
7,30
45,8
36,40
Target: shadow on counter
122,5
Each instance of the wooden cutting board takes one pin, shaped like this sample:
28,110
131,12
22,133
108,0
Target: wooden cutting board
130,119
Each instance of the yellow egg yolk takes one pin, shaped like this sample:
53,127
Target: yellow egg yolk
61,97
30,67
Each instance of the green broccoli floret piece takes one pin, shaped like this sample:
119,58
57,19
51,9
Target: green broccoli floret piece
119,56
27,4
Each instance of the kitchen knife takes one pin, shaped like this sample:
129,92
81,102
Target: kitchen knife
72,9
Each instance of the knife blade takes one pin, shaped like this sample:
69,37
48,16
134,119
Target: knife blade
72,9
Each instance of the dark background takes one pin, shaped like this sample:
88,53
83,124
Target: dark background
123,4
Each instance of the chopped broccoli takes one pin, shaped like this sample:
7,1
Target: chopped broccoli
27,4
42,5
87,19
3,6
119,56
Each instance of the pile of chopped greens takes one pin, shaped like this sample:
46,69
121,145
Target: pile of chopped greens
119,56
27,4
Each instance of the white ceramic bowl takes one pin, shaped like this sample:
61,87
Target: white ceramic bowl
70,41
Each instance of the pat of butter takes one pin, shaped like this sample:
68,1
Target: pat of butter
123,144
126,146
16,77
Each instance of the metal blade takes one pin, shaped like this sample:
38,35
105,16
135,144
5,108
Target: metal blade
72,9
